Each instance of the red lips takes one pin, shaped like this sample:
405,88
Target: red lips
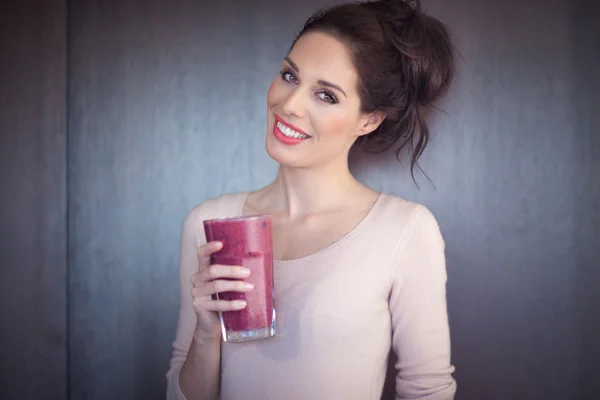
284,139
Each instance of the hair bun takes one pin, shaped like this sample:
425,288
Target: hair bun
395,10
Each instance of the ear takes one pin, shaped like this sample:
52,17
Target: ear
370,122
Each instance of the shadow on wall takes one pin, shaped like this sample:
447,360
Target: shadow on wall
584,33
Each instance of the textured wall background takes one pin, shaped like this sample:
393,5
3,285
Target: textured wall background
33,200
166,108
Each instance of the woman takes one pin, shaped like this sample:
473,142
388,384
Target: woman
358,272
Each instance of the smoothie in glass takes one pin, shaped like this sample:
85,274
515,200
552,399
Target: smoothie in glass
247,242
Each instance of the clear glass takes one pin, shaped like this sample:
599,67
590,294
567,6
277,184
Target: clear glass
247,241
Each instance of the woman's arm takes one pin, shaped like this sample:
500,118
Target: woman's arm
195,364
199,376
421,337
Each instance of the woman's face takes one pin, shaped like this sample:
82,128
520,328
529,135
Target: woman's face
313,107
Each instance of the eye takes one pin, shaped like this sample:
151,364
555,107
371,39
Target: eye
289,77
327,97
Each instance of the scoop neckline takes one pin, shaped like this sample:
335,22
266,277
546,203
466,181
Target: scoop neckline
354,233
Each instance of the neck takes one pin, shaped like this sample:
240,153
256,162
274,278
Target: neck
298,191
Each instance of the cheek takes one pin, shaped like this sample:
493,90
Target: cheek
275,94
336,125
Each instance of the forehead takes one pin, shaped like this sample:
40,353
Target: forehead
322,56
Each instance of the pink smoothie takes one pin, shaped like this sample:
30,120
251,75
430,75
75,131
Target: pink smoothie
247,241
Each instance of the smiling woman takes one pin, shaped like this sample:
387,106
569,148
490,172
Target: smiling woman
357,272
316,95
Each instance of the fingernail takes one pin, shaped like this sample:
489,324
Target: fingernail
248,286
240,303
245,271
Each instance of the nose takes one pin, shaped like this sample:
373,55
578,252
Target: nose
294,104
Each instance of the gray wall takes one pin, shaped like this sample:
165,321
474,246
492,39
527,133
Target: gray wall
33,200
166,108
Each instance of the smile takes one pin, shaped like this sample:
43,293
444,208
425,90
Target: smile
287,134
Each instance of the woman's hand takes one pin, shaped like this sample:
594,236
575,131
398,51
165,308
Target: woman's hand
210,280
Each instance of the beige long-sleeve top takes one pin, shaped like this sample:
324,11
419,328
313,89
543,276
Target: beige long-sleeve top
339,312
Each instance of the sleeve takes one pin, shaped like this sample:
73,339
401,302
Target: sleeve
421,337
188,265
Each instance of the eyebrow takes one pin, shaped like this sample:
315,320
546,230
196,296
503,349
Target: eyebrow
320,82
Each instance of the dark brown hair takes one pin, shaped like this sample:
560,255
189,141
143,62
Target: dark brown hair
405,63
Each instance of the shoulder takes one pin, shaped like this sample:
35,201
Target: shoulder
405,212
419,249
222,206
409,220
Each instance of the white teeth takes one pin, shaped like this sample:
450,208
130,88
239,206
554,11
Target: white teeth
287,131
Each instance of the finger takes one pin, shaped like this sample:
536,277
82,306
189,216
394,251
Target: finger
217,271
209,248
220,286
219,305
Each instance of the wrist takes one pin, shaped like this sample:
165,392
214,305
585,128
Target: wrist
204,339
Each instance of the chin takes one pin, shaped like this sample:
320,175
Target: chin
276,151
282,154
